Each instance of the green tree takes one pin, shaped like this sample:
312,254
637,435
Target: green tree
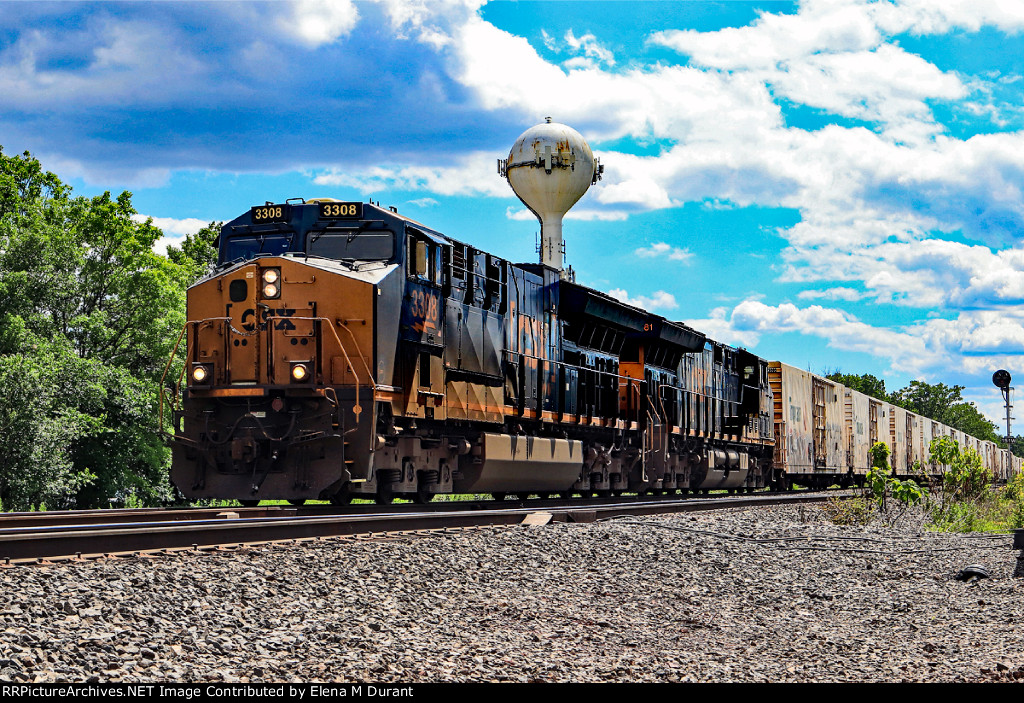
1017,445
945,404
864,383
198,252
88,314
39,428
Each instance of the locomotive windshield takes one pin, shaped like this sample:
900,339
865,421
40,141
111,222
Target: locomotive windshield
354,245
249,246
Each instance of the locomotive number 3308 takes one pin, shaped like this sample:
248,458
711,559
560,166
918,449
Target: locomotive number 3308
424,307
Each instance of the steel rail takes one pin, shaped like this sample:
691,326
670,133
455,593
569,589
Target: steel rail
19,544
104,516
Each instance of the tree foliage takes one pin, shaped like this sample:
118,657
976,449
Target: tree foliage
88,314
944,404
864,383
198,252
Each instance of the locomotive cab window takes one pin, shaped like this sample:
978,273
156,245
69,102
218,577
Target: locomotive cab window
424,259
249,246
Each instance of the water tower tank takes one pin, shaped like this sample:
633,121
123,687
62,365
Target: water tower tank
550,167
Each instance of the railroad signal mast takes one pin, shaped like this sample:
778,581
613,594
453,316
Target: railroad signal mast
1001,379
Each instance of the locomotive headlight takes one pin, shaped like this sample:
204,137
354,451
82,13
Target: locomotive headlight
200,373
300,372
271,285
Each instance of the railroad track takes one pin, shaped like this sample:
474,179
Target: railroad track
31,537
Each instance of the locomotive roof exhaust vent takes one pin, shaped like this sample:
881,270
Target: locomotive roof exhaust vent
550,167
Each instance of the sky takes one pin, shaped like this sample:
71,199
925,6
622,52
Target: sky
835,184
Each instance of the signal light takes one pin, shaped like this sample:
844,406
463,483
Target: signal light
270,291
299,372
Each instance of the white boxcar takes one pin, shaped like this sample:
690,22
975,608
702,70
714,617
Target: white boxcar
857,436
1003,462
926,434
898,440
987,451
969,443
918,451
809,425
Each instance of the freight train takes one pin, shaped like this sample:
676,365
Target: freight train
342,350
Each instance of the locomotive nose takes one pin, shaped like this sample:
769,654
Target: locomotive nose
285,353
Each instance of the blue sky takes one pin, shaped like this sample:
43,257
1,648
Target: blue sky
836,184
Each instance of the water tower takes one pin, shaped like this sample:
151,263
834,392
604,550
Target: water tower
550,167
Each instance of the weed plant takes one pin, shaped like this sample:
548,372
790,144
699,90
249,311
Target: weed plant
963,500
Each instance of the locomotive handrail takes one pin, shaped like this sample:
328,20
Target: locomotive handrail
514,356
356,409
184,328
170,359
712,396
369,374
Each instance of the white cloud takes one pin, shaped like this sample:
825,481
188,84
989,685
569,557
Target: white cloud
549,41
424,202
128,61
580,213
831,56
592,50
838,293
922,17
973,343
472,174
585,213
720,328
907,351
317,22
660,300
662,250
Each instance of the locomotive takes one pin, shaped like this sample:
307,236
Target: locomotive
341,349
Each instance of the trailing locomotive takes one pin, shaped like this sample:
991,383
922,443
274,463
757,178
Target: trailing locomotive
340,349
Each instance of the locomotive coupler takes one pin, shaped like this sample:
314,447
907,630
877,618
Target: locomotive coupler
244,450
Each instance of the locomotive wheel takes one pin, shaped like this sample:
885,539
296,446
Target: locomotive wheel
386,493
423,496
586,494
544,496
297,502
522,496
565,495
498,496
249,503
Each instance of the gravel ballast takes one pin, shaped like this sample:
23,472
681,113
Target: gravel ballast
663,599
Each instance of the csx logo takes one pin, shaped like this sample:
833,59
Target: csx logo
265,314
